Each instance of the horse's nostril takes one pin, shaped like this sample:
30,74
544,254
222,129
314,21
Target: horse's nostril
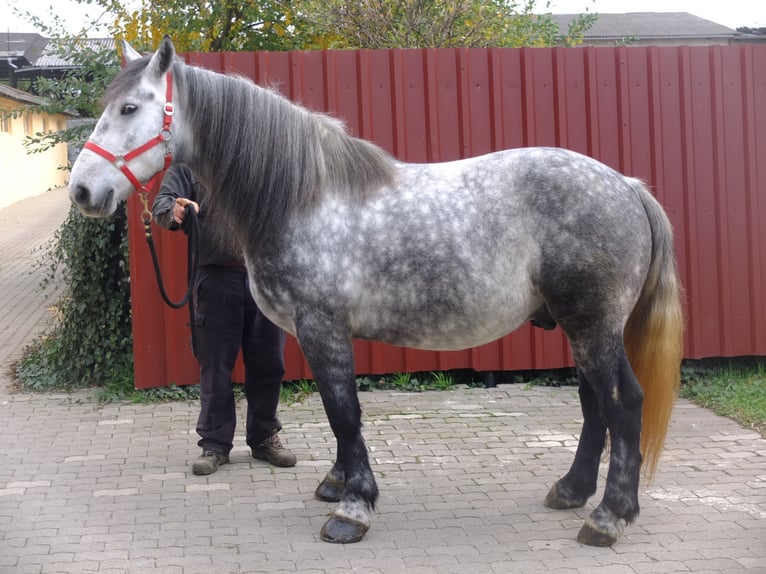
81,195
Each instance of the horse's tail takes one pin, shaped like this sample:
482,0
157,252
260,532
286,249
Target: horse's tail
654,333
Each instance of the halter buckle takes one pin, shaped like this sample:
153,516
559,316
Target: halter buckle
146,214
169,109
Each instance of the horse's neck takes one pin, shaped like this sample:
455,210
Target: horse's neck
244,157
268,159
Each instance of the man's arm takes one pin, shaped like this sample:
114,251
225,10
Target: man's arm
177,191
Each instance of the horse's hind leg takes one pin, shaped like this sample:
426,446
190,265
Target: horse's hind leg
331,359
605,366
575,488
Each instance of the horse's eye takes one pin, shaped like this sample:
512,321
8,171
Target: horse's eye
128,109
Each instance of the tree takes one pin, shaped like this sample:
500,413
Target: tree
204,25
436,23
752,31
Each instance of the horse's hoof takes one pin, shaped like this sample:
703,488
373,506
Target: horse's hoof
342,530
605,533
558,501
329,490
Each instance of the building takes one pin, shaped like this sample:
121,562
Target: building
657,29
19,51
26,57
23,59
24,174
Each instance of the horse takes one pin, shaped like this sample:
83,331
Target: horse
343,241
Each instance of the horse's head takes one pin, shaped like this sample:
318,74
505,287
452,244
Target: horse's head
132,141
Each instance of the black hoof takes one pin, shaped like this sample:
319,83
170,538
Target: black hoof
340,530
559,501
329,490
604,534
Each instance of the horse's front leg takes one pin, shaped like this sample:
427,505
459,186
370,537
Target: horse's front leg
331,358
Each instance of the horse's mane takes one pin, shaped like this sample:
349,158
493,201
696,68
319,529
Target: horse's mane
264,158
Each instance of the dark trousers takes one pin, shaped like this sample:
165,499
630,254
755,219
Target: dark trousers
226,319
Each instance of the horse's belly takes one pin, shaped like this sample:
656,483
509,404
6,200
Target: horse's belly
446,325
444,336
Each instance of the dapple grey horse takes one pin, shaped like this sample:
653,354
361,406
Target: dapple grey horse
343,241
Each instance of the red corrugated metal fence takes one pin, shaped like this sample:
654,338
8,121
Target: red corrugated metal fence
691,121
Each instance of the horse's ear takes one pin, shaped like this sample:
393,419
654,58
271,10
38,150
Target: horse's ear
163,57
128,52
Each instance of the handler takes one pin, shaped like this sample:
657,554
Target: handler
225,320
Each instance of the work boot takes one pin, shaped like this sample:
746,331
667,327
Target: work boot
209,462
272,450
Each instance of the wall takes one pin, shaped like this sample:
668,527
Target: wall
691,121
26,175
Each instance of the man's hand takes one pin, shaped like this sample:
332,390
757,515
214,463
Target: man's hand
180,208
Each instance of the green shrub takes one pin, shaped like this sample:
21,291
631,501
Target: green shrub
90,343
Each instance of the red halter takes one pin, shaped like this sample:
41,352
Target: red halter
164,136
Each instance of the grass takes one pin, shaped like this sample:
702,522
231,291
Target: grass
172,393
731,390
297,391
418,382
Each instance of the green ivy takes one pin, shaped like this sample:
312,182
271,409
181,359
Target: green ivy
90,343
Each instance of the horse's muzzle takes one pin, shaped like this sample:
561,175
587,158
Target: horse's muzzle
82,197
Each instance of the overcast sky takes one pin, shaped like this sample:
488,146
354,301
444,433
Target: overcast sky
731,13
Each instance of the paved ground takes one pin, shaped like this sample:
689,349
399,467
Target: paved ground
108,489
25,228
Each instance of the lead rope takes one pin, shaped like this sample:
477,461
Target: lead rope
191,255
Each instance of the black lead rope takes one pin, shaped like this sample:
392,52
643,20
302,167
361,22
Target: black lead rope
190,215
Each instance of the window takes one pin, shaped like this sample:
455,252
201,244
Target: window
45,124
5,122
28,125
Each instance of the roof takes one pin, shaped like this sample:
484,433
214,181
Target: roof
21,96
26,48
33,51
29,56
51,57
26,98
646,25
